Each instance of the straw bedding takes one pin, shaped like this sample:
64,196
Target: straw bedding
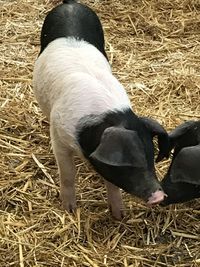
154,50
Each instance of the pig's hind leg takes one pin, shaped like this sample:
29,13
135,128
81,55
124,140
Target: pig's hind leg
66,167
115,202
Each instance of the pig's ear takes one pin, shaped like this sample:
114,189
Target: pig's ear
163,139
186,166
179,132
120,147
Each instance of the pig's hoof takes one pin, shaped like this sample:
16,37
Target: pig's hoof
68,202
69,207
118,214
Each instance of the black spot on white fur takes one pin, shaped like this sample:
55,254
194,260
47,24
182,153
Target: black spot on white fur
73,19
126,156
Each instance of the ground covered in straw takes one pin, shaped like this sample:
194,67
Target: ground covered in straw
154,49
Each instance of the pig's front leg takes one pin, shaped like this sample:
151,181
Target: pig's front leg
115,202
66,167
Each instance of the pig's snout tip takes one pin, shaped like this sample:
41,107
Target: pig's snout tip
156,198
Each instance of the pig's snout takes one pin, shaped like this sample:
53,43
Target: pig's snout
156,197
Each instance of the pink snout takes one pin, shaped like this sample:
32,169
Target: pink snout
156,198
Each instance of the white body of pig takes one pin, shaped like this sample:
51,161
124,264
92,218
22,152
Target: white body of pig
71,80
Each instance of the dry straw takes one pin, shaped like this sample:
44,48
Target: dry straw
154,48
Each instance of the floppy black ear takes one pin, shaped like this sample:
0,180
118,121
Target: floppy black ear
186,166
180,131
120,147
163,139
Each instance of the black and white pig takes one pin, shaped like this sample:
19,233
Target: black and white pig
90,113
182,181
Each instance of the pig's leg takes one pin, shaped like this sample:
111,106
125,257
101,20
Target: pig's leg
115,202
66,167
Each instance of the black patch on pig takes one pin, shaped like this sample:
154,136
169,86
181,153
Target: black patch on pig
131,167
89,135
76,20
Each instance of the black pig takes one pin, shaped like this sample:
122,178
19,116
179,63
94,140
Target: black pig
182,181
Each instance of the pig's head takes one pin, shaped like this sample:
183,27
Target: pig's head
126,158
182,181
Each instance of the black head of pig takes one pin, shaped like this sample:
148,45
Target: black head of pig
124,153
182,181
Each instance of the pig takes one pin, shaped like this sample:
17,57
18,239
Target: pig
182,181
90,113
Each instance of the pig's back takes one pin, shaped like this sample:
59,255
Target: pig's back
73,19
75,76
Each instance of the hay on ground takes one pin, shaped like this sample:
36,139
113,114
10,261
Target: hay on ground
154,49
